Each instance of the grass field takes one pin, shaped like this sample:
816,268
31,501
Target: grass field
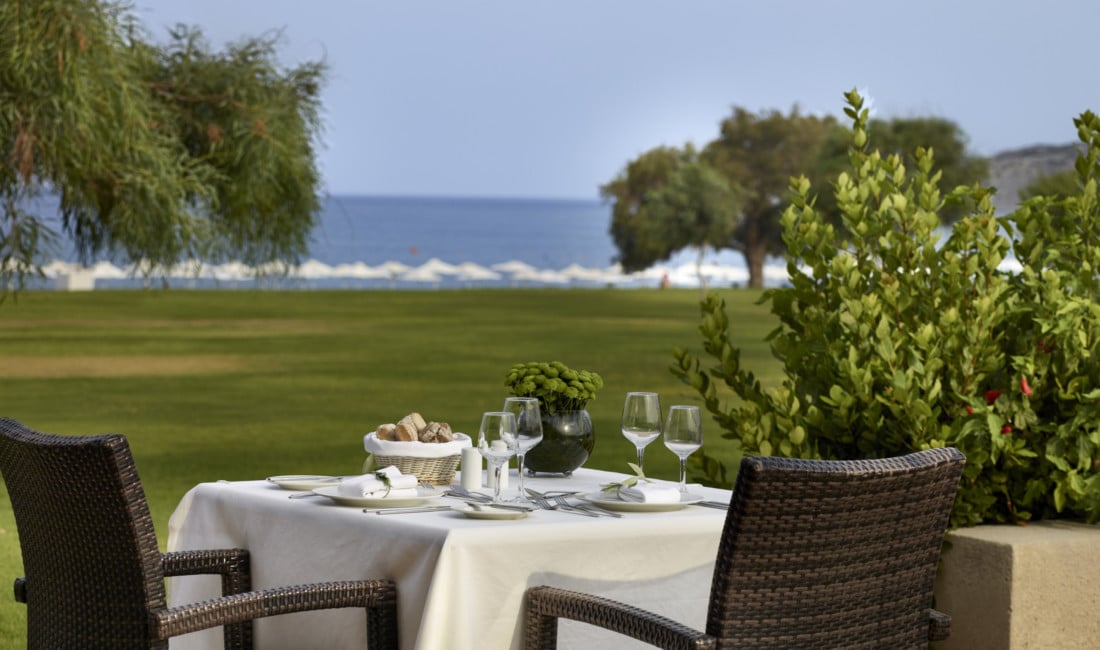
241,385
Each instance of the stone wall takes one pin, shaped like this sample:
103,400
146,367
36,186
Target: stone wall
1016,587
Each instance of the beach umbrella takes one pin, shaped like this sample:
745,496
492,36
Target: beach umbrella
393,268
436,265
475,272
513,267
725,273
359,271
776,275
541,276
314,270
58,268
188,269
421,274
583,274
107,271
231,271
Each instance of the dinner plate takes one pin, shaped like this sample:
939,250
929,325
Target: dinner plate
333,492
301,482
613,502
489,512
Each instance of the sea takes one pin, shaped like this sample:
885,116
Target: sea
426,242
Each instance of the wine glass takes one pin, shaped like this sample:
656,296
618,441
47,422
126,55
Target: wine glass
496,441
683,435
528,431
641,423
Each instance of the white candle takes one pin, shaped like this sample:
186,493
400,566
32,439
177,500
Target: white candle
471,468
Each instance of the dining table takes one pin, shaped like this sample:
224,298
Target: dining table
460,580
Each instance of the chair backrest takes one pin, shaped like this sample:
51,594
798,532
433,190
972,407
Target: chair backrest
92,565
831,554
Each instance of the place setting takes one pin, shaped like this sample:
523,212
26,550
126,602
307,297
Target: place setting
682,433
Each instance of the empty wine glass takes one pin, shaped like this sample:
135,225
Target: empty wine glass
683,435
496,441
641,423
528,431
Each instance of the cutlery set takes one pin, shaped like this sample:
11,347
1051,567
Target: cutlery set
551,500
560,502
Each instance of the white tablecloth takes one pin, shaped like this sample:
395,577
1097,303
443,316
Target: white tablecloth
460,581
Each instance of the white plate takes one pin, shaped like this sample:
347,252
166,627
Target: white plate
612,501
489,512
299,482
333,492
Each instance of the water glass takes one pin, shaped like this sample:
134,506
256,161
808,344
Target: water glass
496,440
528,431
641,421
683,435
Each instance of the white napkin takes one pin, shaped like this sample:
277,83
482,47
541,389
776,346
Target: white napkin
370,485
643,492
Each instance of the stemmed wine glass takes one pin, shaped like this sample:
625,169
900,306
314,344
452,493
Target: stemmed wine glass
641,423
528,431
496,441
683,435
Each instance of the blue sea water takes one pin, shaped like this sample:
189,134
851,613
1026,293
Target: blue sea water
545,233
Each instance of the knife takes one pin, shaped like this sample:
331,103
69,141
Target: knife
398,511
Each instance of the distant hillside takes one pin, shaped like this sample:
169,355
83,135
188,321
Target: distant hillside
1012,171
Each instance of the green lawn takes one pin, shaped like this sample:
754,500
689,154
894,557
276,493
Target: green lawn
240,385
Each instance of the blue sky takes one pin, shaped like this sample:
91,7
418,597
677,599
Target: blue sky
551,98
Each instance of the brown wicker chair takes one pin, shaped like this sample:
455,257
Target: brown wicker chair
94,577
814,554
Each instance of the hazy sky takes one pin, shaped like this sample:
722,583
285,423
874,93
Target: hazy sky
551,98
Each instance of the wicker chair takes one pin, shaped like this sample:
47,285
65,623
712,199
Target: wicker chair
94,577
814,554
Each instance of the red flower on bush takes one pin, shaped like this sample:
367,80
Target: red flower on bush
991,396
1024,387
1006,429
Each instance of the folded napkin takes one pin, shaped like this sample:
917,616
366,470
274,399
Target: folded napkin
643,492
375,484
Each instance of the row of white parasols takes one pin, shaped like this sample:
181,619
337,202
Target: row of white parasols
434,271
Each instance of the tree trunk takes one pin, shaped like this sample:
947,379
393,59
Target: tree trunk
755,254
699,271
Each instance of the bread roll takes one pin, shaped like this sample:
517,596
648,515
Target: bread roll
444,433
406,431
386,431
428,433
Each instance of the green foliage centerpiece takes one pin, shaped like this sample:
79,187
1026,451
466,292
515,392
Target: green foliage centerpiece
893,341
563,394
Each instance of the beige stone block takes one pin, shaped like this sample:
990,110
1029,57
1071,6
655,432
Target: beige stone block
1022,587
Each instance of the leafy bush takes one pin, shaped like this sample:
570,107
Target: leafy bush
892,341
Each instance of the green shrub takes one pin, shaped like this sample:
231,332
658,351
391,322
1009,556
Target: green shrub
893,341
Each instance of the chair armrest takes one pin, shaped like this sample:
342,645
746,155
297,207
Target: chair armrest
20,590
379,597
545,605
231,564
939,625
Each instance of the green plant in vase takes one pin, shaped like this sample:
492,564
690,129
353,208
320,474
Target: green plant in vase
563,394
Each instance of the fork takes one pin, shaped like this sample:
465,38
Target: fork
545,504
561,499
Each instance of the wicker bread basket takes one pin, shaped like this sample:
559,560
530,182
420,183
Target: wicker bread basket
430,462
